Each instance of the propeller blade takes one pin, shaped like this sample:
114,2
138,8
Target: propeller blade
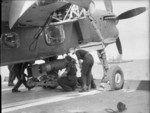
17,9
131,13
119,47
108,5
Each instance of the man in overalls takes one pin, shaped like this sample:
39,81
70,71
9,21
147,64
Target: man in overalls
18,70
68,80
86,62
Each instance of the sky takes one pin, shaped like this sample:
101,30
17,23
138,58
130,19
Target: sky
133,32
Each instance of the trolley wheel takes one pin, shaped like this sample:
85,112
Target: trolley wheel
52,87
30,83
44,87
116,77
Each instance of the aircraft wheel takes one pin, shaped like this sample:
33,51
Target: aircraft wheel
30,83
53,80
53,85
116,77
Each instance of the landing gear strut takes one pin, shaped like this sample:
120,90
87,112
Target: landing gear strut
102,57
113,76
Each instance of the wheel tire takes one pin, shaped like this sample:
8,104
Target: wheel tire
54,77
116,77
52,87
30,83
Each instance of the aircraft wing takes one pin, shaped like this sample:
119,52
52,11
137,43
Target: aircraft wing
92,46
17,9
82,3
12,10
5,8
37,15
29,12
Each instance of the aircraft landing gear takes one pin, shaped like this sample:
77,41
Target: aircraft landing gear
113,76
31,83
116,77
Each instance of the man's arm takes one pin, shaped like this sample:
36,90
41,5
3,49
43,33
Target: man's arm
80,63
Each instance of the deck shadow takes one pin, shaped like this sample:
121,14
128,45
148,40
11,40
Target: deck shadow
137,85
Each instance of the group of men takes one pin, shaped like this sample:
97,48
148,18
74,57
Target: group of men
68,80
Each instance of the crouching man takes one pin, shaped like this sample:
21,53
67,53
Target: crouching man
68,80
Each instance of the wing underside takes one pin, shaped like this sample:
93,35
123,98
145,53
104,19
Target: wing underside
34,12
